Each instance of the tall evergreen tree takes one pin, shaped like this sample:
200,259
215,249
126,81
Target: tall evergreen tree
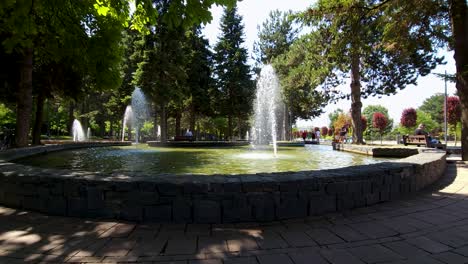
275,36
199,76
161,73
232,72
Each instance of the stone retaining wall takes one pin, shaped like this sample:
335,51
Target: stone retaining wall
396,152
214,198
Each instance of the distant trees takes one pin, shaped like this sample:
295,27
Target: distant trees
434,106
409,118
368,113
324,131
453,113
360,40
379,122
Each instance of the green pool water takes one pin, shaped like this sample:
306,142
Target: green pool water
144,160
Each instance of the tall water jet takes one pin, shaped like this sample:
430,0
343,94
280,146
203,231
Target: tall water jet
127,120
140,111
267,102
88,133
77,131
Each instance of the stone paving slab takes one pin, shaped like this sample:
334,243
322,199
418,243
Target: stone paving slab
430,227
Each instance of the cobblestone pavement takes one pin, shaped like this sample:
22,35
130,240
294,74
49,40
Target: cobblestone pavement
431,227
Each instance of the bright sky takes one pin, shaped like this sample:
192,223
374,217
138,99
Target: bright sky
255,12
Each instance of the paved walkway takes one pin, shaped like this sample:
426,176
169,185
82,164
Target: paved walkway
431,227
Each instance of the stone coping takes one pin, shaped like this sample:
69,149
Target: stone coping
197,144
214,198
18,153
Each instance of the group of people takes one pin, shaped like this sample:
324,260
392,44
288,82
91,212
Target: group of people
315,135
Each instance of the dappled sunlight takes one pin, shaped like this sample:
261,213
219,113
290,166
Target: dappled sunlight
435,212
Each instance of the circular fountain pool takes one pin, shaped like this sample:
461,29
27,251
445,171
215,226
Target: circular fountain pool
143,160
205,185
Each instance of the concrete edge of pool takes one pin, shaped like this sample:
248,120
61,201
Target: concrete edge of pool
217,198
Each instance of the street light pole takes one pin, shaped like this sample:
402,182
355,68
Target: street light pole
445,108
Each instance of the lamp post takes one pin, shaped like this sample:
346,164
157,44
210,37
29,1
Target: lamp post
445,76
445,108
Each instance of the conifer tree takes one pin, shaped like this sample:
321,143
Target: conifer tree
232,71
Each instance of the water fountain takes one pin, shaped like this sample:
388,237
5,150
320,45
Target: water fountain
88,133
267,102
77,131
135,114
127,121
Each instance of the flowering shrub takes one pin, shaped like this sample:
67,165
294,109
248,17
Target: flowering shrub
408,118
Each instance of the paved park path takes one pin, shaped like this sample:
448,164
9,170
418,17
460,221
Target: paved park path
431,227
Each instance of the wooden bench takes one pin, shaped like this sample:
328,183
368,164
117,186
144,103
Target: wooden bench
184,138
415,140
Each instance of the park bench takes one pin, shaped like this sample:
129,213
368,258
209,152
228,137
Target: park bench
184,138
415,140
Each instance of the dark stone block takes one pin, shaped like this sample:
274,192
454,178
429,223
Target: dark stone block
33,203
344,202
254,186
147,186
322,204
237,210
132,212
95,198
182,211
77,207
125,186
336,187
169,189
289,186
355,187
384,195
57,206
372,198
206,212
232,187
13,200
145,198
71,188
263,206
196,188
291,207
56,188
158,213
271,186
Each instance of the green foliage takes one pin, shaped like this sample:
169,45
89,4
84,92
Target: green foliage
275,36
235,87
334,115
368,112
7,117
147,129
426,119
434,106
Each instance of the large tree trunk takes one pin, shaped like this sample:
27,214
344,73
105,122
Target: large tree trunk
193,118
178,130
36,138
459,18
24,100
229,135
356,103
163,119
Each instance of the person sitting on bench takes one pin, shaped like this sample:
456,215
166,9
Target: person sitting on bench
420,131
